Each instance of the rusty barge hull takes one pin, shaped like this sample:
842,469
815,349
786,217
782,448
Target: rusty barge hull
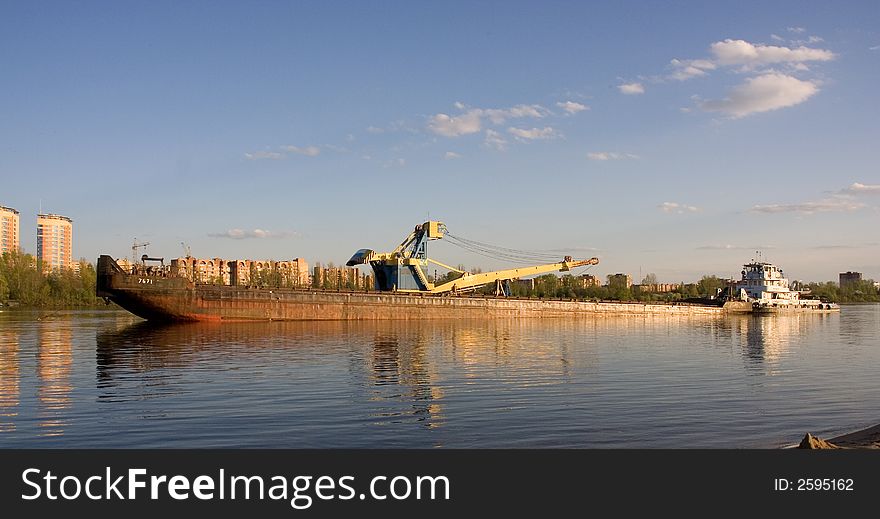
178,299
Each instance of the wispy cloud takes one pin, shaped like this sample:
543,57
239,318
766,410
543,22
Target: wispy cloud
472,120
728,246
264,155
827,205
572,107
857,188
309,151
535,133
610,155
740,52
764,93
395,163
631,88
796,30
449,126
451,155
836,247
494,140
842,201
690,68
337,149
677,208
243,234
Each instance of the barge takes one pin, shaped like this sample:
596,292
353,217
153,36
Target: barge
159,297
402,291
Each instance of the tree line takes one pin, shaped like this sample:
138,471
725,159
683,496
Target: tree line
862,291
23,281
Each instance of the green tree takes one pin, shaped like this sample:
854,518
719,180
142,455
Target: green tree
709,286
617,288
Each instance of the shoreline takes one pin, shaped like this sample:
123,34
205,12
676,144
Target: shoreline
867,438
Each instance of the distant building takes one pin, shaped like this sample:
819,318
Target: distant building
620,279
588,281
659,288
850,278
289,273
341,278
9,229
54,241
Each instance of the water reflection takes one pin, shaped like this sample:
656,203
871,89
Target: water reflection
405,367
767,339
54,361
10,379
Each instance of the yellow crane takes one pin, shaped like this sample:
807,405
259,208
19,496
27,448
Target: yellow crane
401,270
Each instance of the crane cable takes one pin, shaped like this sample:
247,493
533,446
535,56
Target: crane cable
504,253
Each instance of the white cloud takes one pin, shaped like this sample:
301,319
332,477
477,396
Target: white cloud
447,126
676,208
875,47
741,52
796,30
572,107
858,188
776,37
499,115
690,68
495,140
828,205
535,133
450,155
631,88
309,151
610,155
763,93
472,120
263,155
241,234
375,129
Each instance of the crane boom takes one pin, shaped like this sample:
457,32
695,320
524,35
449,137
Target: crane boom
401,269
468,281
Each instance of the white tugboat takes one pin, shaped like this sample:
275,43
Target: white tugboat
764,287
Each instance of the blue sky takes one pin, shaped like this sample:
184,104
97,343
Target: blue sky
674,138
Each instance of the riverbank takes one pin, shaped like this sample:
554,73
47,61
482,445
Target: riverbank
863,439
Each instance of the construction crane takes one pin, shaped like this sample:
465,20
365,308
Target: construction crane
401,270
186,249
134,249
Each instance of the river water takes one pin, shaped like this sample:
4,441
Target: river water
107,379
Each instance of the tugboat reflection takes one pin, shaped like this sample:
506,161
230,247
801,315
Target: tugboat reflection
766,340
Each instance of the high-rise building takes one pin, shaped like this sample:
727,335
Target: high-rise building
850,278
54,241
9,241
